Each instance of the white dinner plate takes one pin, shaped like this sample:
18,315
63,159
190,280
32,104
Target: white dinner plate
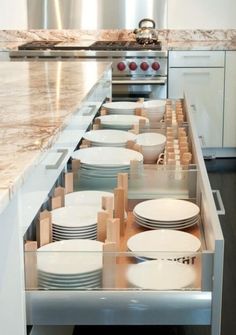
70,257
166,209
86,198
106,156
122,105
109,136
161,275
155,242
121,121
75,216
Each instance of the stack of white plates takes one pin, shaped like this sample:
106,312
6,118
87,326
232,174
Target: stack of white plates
166,213
75,222
70,264
122,122
161,275
109,137
122,107
163,243
105,162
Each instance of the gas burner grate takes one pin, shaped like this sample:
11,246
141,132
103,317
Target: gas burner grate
38,45
124,45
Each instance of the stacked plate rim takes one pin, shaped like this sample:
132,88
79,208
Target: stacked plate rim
166,213
122,122
70,264
75,222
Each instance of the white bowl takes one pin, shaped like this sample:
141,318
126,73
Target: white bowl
155,109
152,145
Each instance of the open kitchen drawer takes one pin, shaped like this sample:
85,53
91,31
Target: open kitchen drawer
116,299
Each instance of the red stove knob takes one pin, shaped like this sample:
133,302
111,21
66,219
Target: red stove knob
156,66
144,66
121,66
133,66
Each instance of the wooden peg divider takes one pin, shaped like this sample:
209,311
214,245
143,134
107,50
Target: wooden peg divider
58,199
31,278
129,144
134,167
97,121
142,123
122,182
108,205
102,218
84,146
86,142
75,166
119,207
44,228
103,111
96,126
141,100
69,182
137,147
109,265
113,232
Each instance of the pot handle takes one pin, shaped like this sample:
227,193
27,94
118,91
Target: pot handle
145,20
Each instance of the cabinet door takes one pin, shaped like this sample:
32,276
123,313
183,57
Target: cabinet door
230,100
205,87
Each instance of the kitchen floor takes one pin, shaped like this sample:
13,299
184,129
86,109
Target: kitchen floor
222,175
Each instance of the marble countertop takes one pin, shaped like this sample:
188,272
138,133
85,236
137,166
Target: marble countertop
37,99
224,45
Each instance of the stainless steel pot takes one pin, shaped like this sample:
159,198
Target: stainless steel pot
146,33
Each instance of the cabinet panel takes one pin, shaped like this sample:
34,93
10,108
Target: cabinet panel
205,87
230,101
196,59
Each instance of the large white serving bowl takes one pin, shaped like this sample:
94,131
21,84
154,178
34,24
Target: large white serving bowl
122,107
152,144
155,109
122,122
109,137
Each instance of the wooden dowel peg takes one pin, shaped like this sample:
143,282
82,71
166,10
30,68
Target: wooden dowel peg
60,192
69,182
130,144
123,182
119,208
75,165
108,205
102,218
109,265
113,231
31,278
44,229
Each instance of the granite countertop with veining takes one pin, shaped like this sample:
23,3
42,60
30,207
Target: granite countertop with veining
37,100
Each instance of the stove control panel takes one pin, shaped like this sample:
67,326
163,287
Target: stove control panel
140,66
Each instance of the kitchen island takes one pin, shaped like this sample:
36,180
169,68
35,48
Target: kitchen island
44,106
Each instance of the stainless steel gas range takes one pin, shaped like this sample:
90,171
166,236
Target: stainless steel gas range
138,70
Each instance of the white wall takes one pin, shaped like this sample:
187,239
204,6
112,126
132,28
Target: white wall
13,14
202,14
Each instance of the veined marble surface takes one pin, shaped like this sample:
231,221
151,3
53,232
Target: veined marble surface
171,39
37,100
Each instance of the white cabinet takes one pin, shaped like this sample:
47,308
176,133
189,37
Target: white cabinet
201,75
229,139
